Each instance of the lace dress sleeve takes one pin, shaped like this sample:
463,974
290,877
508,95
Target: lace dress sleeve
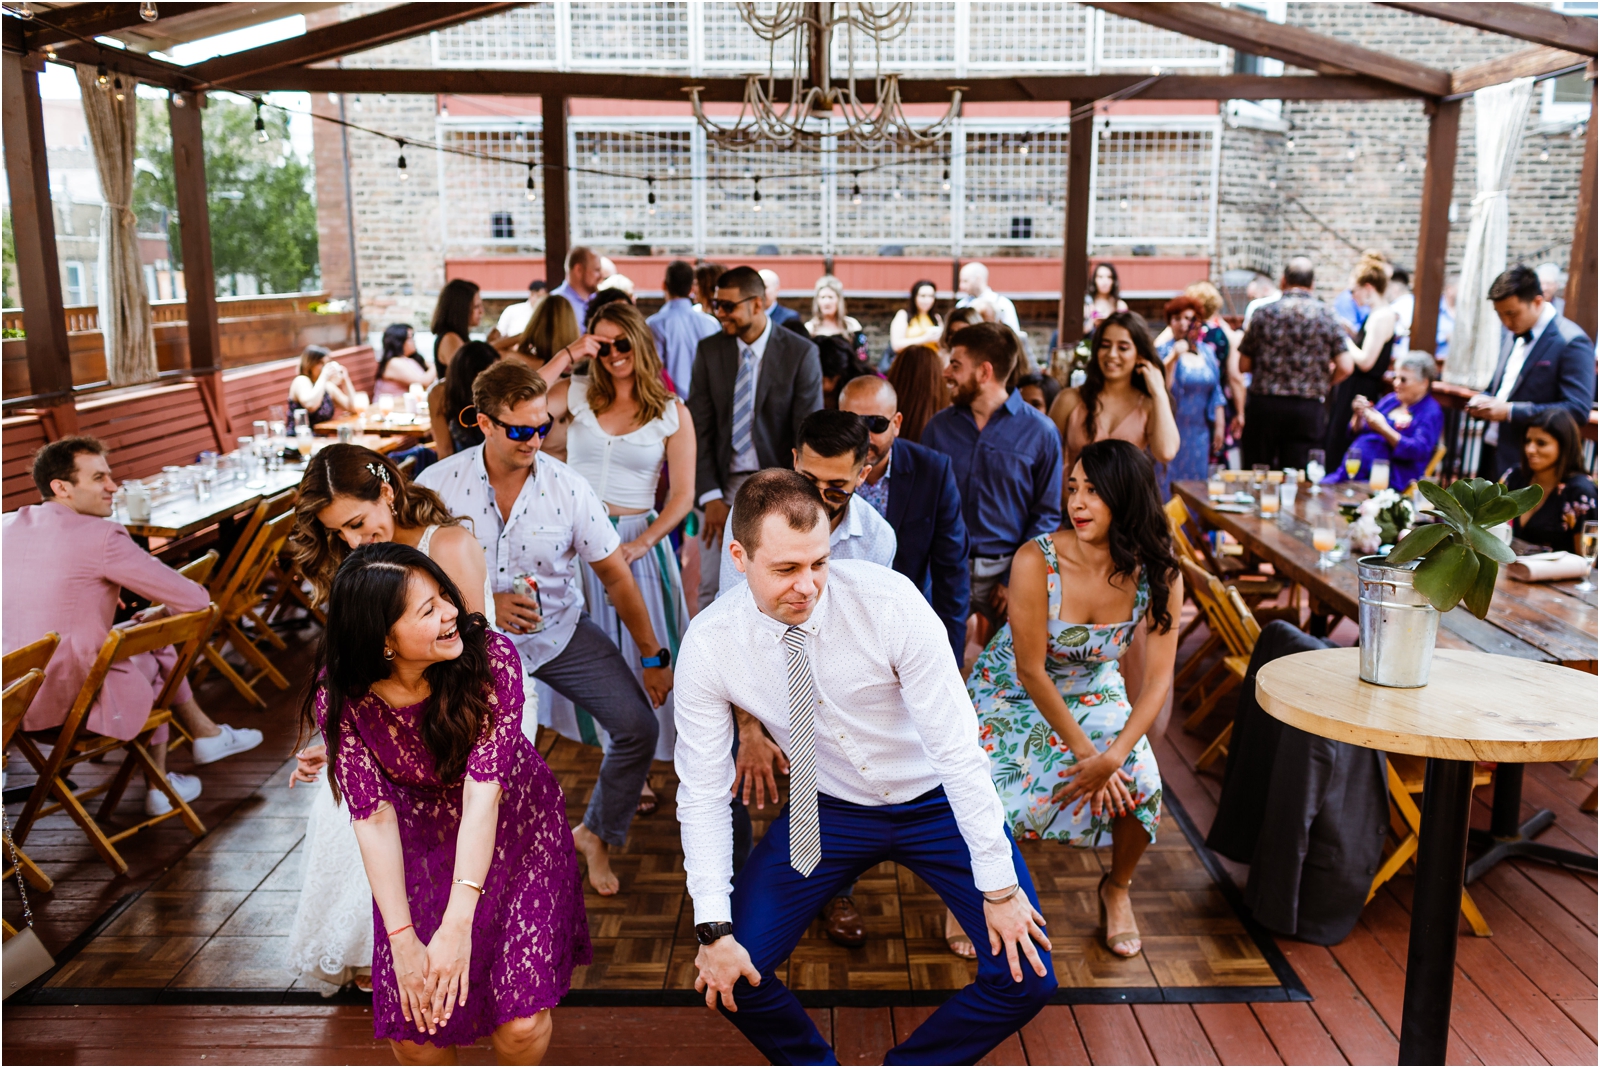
362,783
492,757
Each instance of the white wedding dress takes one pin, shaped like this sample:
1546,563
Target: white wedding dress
331,937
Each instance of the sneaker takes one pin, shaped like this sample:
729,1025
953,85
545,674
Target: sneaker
232,740
157,803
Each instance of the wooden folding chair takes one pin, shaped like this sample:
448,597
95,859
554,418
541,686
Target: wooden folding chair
72,744
15,699
197,570
238,600
1405,818
19,662
1230,618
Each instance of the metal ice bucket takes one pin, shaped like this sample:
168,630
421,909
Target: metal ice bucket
1398,625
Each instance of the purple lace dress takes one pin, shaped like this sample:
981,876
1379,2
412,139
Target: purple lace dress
529,930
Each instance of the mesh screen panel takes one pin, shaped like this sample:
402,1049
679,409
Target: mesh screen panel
605,209
1127,43
1034,36
904,203
522,37
1011,193
478,188
791,208
1153,187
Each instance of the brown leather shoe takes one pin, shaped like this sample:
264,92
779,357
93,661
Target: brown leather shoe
844,924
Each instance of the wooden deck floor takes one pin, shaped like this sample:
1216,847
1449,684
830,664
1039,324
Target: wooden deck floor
1526,995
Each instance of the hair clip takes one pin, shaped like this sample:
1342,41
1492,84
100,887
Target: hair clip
379,471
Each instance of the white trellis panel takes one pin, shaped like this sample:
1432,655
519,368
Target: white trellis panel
1013,198
521,37
629,36
927,44
791,207
903,200
472,191
1038,36
1125,43
1155,182
605,209
731,47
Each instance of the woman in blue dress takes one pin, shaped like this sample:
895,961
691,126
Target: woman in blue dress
1194,378
1067,749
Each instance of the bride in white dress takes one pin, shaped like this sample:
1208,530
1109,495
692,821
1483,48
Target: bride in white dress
351,496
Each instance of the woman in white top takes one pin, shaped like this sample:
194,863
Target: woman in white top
828,317
624,424
351,496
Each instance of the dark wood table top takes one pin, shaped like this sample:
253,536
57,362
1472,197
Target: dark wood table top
180,516
1548,621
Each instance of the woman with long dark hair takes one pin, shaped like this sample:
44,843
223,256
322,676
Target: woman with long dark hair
1067,747
917,376
479,915
401,366
1552,458
1123,396
453,395
1104,296
917,323
322,387
456,312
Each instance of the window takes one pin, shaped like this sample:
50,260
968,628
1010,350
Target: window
1566,99
77,292
501,227
1021,227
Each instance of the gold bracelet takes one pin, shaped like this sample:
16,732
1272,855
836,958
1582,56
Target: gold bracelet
468,882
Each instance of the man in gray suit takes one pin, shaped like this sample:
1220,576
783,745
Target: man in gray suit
752,386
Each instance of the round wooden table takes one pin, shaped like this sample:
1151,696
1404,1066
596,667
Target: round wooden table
1476,706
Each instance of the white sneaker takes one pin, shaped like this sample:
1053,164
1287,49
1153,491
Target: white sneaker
157,803
232,740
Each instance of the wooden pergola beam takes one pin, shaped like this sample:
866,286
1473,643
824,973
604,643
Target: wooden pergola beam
341,39
1075,234
1583,264
557,218
731,90
1540,25
1528,63
62,24
1294,45
144,68
1433,235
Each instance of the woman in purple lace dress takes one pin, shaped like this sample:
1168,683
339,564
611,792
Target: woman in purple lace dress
478,910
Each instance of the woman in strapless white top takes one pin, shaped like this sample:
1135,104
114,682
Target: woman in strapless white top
625,425
349,496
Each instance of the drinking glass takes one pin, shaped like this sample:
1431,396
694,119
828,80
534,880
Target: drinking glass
1215,486
302,418
1288,491
1325,541
1352,467
1268,494
1378,479
302,440
275,413
1315,470
1586,543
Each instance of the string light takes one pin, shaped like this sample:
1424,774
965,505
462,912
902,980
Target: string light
755,197
261,126
178,99
101,78
946,179
1544,152
117,85
1125,204
897,188
1289,144
23,10
1400,167
855,187
148,12
401,165
650,198
1022,149
50,53
533,193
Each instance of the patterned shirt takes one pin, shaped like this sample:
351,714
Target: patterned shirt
1290,343
877,493
556,520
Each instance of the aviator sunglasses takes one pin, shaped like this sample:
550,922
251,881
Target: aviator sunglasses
514,431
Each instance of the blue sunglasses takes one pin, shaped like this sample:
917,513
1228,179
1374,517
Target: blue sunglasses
518,432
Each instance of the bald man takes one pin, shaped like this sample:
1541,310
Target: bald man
975,288
914,488
775,311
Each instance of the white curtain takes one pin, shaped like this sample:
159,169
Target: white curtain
125,320
1502,113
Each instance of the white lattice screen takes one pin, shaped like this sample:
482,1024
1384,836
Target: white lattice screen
729,47
522,37
628,35
1127,43
1154,186
903,200
478,189
1014,197
791,207
1031,36
928,44
605,209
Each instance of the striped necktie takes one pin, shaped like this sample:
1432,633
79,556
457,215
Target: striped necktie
805,835
744,399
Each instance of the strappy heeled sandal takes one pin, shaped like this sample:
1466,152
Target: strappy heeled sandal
1119,938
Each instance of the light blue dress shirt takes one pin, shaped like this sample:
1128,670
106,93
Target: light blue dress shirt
678,330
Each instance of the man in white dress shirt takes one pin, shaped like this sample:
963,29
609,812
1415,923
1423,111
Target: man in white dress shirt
850,670
535,516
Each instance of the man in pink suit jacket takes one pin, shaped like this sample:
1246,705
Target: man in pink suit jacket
64,565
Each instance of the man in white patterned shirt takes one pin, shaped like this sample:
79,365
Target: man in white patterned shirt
536,517
850,670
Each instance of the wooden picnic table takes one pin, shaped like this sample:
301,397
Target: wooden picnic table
373,422
182,515
1549,621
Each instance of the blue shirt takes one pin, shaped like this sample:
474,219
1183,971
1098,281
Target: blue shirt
781,314
678,330
580,305
1009,474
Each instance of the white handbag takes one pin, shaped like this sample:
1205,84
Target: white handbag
23,958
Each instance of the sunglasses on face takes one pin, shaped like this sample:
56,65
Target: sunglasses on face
518,432
727,307
876,424
622,345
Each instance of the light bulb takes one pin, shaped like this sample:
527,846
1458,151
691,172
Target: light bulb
1351,153
24,11
401,166
261,129
50,53
1400,168
148,12
1125,204
117,85
178,100
101,78
1272,183
532,193
946,179
1289,144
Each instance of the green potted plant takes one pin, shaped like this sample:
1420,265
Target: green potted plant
1435,567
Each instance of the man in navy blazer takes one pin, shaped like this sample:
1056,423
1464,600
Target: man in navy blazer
1547,361
915,490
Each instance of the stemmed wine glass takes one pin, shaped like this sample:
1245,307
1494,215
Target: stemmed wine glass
1586,543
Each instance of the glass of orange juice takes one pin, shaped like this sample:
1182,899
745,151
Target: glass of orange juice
1378,479
1269,500
1325,540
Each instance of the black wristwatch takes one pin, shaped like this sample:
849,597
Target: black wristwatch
707,933
663,658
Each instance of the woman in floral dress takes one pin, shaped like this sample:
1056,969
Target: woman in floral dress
1067,750
478,911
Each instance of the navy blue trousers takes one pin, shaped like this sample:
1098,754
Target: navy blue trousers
773,905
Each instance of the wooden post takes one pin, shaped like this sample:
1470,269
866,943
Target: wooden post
34,229
1433,236
557,239
1075,235
1581,266
199,274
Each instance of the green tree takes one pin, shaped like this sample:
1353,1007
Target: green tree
261,196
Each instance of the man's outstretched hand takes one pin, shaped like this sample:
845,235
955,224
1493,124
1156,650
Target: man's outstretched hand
721,964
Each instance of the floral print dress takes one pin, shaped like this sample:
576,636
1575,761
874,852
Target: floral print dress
1028,760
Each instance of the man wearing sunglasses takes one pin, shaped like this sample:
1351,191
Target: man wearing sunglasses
750,388
536,517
